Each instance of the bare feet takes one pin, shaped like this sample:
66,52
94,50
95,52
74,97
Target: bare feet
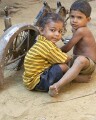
53,91
83,78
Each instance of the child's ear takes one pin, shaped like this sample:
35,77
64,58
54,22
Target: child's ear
41,30
89,18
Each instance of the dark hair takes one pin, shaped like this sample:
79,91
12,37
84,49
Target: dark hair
48,17
82,6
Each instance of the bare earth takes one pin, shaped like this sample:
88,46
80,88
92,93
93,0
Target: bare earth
77,101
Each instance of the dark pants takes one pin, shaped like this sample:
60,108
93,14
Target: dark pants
49,77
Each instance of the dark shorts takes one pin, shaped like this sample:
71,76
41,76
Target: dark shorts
49,77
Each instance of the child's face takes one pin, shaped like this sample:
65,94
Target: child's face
53,31
78,19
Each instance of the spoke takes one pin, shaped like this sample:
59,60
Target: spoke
16,47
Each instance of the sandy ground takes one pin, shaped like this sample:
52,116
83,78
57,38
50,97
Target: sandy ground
77,101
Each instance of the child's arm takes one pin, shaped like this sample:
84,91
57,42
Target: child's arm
78,35
55,56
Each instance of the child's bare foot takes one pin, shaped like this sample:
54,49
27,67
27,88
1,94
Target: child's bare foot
53,91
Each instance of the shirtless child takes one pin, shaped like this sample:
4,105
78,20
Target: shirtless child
84,52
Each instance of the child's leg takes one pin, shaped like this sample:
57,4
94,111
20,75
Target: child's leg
51,76
80,63
82,78
85,75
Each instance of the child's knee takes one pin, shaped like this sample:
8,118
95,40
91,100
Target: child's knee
82,60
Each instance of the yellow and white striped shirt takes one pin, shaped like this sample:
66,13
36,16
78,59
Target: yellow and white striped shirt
41,56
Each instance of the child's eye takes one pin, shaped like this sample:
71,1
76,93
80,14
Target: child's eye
71,16
61,31
79,17
53,30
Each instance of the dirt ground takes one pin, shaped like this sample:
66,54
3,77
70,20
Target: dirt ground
77,101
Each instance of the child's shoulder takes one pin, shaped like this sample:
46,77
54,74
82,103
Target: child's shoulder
83,30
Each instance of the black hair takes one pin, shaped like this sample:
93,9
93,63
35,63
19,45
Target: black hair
82,6
50,17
